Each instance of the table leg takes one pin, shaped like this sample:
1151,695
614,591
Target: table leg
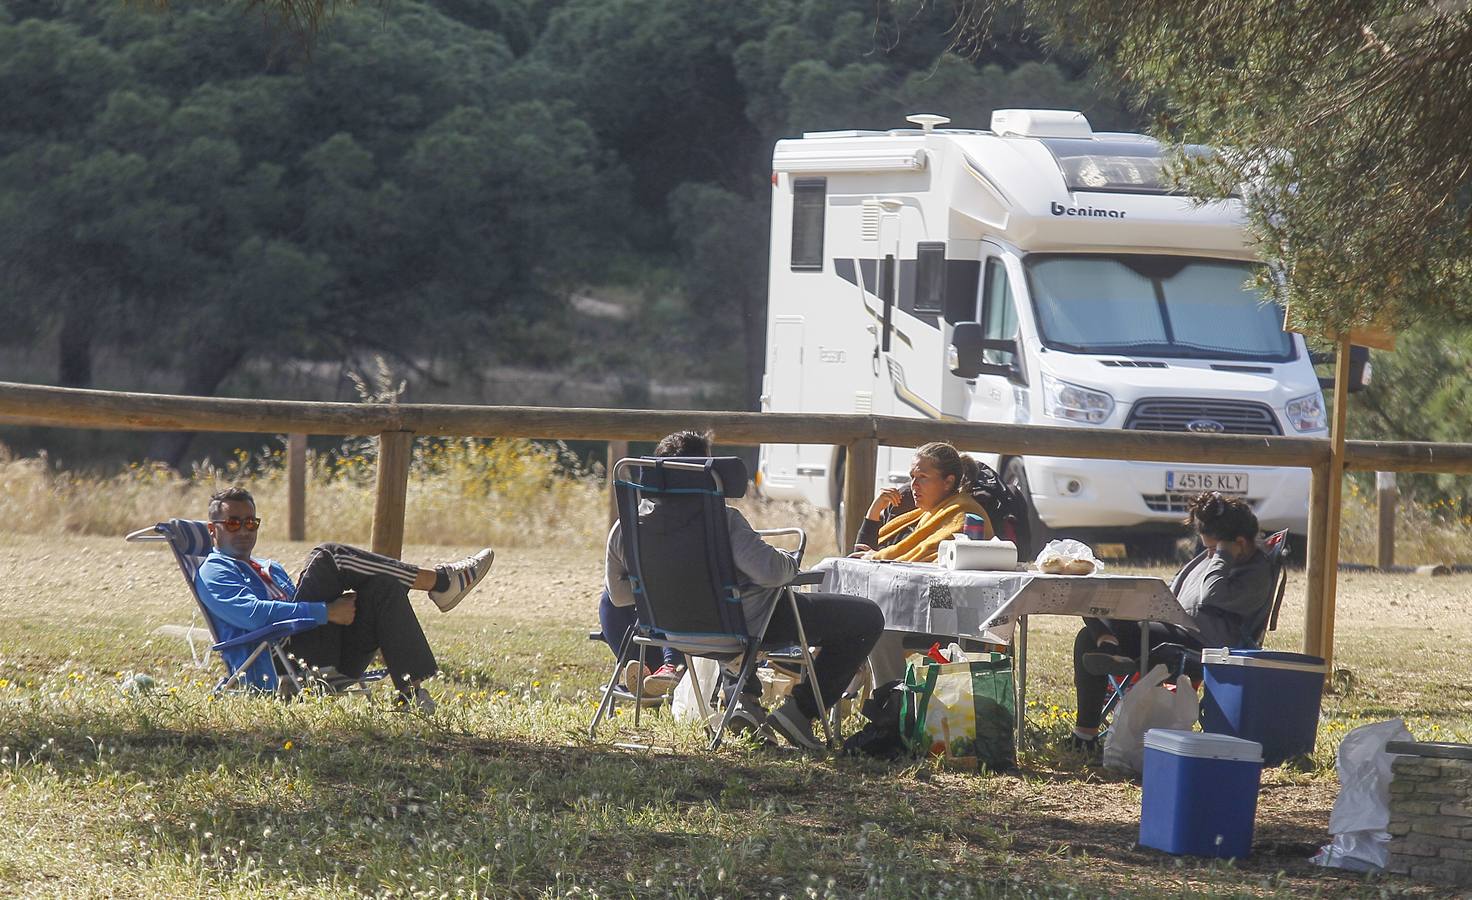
1020,642
1144,647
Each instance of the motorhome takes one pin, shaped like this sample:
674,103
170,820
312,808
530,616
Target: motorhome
1040,273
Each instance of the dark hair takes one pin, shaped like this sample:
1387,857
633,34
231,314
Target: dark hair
235,492
951,463
684,443
1222,516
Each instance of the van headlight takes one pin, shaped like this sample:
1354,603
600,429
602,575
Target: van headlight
1072,403
1306,413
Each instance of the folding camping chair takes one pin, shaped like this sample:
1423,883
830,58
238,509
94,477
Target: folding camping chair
672,515
189,539
1184,660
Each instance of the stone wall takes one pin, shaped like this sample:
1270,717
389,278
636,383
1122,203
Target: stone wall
1431,819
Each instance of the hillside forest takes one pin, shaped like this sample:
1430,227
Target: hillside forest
507,200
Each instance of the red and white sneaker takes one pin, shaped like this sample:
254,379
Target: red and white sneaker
663,680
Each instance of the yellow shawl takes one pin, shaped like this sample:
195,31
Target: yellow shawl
923,544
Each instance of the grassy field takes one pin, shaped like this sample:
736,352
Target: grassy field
170,792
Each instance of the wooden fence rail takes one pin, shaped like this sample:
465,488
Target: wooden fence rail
397,424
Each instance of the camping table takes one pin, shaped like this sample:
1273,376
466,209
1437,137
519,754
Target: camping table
925,598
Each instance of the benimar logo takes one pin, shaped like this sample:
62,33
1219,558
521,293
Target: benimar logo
1058,209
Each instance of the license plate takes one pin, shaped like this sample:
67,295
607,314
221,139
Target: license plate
1188,482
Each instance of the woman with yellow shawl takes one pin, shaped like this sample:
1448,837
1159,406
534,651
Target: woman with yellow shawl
940,480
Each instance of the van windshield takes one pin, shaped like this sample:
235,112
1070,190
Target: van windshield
1155,306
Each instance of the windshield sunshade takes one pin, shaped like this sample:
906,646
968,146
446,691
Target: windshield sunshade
1114,166
1155,306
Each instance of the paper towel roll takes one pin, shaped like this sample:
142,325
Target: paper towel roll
963,553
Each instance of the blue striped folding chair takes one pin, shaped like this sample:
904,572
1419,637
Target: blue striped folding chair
266,666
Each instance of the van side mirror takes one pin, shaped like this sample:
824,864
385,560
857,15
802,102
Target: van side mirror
967,354
1359,369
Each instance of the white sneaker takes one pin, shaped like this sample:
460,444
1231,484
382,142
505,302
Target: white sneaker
632,677
464,575
788,721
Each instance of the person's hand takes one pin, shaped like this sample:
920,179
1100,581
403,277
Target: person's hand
888,497
343,610
860,550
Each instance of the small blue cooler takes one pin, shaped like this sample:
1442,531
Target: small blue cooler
1200,793
1265,696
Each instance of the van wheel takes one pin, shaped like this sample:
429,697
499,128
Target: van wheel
1014,474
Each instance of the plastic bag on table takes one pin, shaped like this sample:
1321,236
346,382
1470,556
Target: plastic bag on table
1362,809
1068,557
1148,704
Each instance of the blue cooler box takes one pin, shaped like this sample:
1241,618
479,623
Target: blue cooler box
1265,696
1200,793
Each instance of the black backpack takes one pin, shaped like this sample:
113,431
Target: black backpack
1005,506
882,737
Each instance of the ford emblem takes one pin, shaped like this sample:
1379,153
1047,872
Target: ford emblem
1205,426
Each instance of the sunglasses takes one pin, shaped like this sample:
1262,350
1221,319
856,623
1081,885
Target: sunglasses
234,525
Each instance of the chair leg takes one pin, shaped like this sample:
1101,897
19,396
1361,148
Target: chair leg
287,668
240,671
607,702
702,699
639,687
748,666
811,671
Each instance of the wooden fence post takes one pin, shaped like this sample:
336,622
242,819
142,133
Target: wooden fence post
1333,502
1313,609
1386,498
395,450
617,450
860,461
296,487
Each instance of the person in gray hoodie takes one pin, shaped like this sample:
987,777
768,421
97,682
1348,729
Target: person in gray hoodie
844,628
1222,589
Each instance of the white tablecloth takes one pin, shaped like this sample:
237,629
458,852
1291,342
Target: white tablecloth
931,599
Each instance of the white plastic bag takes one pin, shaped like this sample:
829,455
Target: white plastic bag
1149,704
1068,557
685,706
1362,809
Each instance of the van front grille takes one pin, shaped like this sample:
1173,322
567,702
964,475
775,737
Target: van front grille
1176,413
1175,502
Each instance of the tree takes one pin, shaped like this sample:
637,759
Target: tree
1343,123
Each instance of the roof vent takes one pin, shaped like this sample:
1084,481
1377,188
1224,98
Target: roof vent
928,121
1041,123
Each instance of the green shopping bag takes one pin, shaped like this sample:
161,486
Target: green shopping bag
962,712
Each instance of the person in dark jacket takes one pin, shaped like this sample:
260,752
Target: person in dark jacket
1223,589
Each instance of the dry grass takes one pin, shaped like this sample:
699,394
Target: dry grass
501,794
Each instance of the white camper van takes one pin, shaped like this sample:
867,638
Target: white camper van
1038,273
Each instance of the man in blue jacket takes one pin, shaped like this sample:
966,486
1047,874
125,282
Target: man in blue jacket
360,600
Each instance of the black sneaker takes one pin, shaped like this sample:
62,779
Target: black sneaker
1086,746
1102,663
788,721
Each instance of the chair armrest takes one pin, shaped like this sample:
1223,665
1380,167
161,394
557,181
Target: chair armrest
802,538
273,632
803,578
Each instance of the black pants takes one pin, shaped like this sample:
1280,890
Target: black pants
843,628
1090,690
384,622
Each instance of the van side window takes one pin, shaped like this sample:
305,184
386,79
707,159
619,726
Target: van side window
809,202
930,277
999,315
